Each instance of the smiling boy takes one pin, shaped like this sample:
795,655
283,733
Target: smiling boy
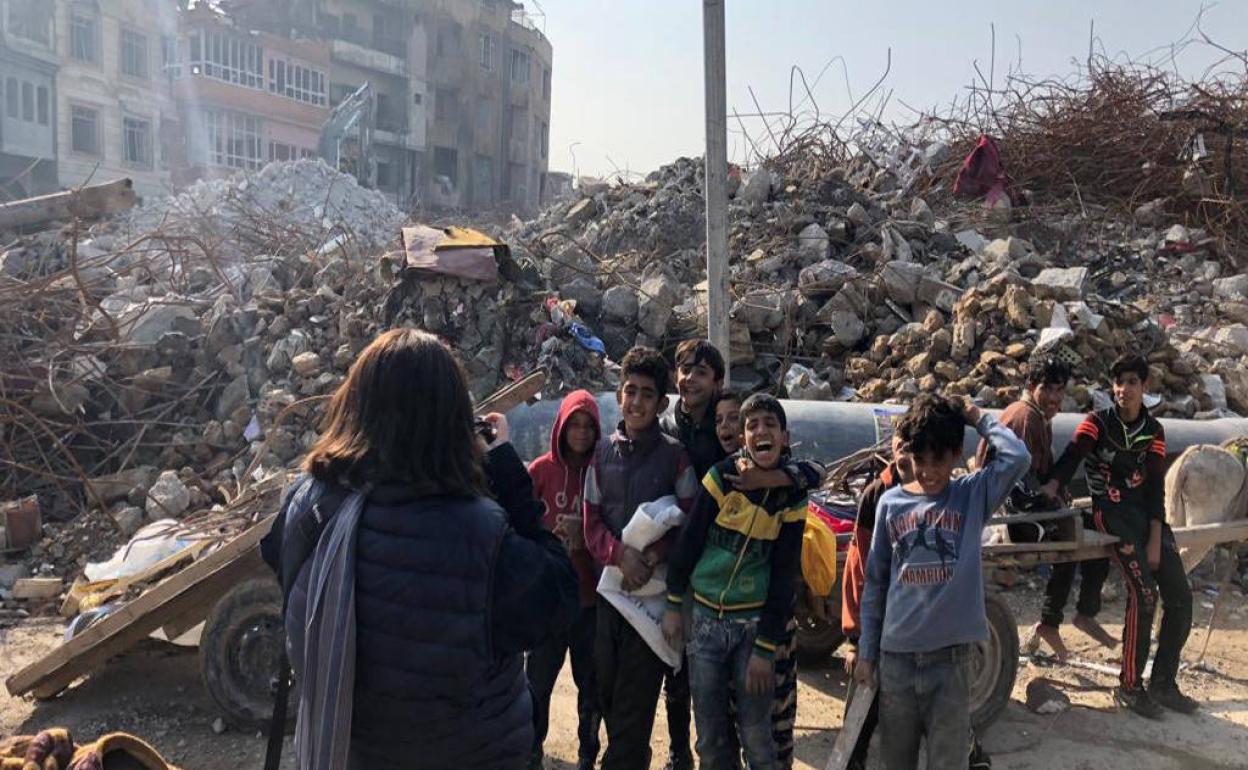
699,380
923,605
740,553
1125,449
636,464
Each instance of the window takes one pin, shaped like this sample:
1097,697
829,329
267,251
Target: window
486,44
42,106
133,53
12,97
31,20
446,163
297,81
28,102
385,175
233,139
417,98
544,137
85,130
519,67
136,138
281,151
446,105
170,57
227,58
546,83
84,36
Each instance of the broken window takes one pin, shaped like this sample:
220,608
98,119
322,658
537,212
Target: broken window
137,142
84,36
519,67
486,45
446,163
133,53
84,129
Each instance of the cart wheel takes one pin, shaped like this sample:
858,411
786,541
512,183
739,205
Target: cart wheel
818,633
994,665
239,653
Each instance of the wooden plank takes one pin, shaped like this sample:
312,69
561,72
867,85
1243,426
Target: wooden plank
851,727
38,588
170,599
252,566
1023,518
1043,547
1211,534
507,398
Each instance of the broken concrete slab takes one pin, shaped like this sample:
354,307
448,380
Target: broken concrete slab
1063,283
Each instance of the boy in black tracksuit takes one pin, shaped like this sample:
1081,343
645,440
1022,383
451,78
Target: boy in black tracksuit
1125,449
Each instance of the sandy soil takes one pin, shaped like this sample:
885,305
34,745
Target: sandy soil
155,692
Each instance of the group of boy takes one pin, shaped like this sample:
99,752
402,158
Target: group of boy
913,602
733,564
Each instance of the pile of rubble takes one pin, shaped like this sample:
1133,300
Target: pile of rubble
161,374
845,285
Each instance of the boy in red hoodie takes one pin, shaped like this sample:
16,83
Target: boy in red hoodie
559,480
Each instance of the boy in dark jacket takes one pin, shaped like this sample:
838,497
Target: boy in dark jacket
741,554
1031,419
923,605
559,481
636,464
1125,449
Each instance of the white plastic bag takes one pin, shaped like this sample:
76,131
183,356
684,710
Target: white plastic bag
644,608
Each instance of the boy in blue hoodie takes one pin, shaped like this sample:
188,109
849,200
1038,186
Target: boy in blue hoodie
923,606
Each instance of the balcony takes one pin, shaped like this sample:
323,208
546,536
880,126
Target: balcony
368,58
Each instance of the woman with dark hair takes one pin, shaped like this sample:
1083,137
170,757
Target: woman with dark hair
406,626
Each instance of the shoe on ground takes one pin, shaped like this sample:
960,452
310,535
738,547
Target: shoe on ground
1139,701
1170,697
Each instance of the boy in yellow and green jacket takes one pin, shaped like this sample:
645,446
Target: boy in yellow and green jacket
740,553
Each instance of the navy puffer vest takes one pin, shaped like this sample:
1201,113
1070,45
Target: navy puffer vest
429,691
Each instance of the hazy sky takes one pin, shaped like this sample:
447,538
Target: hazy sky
628,73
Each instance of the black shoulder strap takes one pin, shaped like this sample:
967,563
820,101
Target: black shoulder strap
299,544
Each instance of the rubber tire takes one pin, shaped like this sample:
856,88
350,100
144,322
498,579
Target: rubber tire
234,673
991,690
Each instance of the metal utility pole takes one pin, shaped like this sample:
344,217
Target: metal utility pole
716,178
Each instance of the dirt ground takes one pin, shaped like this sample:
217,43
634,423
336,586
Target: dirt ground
155,692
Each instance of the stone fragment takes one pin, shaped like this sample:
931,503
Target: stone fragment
168,497
116,486
587,296
813,244
1152,213
757,188
620,305
938,294
858,215
901,281
306,364
1007,249
130,519
654,309
963,339
921,212
581,212
824,278
1234,287
1064,283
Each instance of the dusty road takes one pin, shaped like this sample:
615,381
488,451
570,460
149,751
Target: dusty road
155,692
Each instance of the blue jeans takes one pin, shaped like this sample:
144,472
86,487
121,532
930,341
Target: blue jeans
719,655
925,695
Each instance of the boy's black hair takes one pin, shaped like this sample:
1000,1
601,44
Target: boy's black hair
1048,371
647,362
694,352
731,395
764,402
1131,362
932,424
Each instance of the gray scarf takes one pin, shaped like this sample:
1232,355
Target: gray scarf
327,686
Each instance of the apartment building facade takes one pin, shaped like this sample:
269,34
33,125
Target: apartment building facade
246,97
28,67
116,115
490,74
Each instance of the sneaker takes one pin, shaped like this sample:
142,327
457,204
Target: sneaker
1139,701
1170,697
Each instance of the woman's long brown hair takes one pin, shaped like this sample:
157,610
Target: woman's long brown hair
404,416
